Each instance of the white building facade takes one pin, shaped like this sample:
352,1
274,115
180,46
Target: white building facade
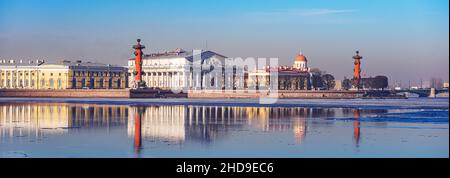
186,70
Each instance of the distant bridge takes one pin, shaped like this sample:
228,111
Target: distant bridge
422,92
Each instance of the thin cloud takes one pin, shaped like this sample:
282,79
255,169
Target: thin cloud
304,16
316,12
302,12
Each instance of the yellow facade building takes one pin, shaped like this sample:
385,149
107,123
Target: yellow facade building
63,75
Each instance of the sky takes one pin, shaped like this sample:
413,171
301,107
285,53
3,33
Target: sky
406,40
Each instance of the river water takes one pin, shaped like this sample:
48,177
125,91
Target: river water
221,128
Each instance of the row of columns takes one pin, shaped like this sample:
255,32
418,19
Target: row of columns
293,83
193,80
164,79
283,83
25,82
216,81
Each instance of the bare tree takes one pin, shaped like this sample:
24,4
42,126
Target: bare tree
317,81
346,84
328,81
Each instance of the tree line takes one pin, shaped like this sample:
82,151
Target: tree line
324,81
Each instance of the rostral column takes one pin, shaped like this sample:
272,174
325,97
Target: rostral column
357,70
138,64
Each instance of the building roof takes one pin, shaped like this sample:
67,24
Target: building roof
20,63
283,71
180,53
205,55
63,63
300,58
81,63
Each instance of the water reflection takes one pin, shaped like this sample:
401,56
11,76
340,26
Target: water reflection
158,122
39,119
137,129
174,124
356,126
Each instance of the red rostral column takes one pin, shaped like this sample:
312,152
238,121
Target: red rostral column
137,133
357,70
138,63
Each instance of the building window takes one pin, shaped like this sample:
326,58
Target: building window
42,83
51,82
59,83
110,83
119,83
92,83
74,82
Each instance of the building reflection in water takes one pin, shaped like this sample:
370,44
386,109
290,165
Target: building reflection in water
158,122
171,123
208,123
300,130
37,119
31,119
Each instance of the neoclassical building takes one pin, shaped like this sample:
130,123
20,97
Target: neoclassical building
207,70
192,70
63,75
296,77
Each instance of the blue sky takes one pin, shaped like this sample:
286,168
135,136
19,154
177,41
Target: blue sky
404,39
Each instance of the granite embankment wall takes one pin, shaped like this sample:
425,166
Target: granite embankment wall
279,94
69,93
149,93
91,93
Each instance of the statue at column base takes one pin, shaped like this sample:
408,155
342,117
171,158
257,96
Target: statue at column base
141,84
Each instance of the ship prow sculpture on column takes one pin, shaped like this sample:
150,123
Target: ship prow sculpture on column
357,71
138,82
